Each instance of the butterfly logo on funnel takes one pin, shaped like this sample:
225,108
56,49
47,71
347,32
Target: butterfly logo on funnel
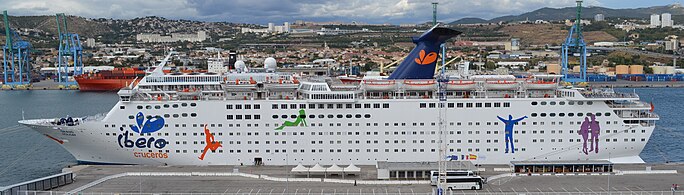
426,59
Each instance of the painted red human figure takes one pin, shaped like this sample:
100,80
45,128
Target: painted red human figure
595,130
211,144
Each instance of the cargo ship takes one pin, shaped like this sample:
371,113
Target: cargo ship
109,80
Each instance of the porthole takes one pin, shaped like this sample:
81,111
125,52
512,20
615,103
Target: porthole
275,116
571,114
193,114
175,115
293,116
534,114
321,116
184,114
330,116
175,106
193,104
543,114
166,106
534,103
184,104
348,116
157,107
561,103
139,107
339,116
590,103
580,114
580,103
357,116
312,116
543,103
283,116
552,103
367,116
148,107
131,117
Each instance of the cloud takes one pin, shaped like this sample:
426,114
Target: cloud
263,11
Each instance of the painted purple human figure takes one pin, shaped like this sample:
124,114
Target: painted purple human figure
595,129
509,130
584,132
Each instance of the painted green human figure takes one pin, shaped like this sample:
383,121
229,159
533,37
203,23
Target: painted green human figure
300,119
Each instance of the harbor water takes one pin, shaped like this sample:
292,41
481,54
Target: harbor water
26,155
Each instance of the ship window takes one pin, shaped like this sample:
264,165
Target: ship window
293,106
157,107
561,103
349,116
450,105
580,114
349,105
193,104
488,105
561,114
376,105
590,103
357,105
193,114
385,105
166,106
330,116
257,106
571,114
552,114
293,116
469,105
580,103
275,116
534,103
283,116
552,103
497,104
507,104
148,107
339,116
432,105
357,116
479,105
238,107
571,103
422,105
184,104
534,114
229,117
238,117
274,106
184,114
122,107
543,103
229,106
459,105
283,106
140,107
167,115
175,106
607,114
543,114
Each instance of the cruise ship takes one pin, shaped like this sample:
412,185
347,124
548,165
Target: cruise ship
271,118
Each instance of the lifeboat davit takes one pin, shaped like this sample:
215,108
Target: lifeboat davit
379,85
501,85
461,85
420,85
541,85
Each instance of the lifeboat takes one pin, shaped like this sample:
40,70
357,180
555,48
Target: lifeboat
379,85
420,85
461,85
189,92
240,85
282,85
541,85
501,85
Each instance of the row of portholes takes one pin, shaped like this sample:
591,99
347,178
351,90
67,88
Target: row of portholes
275,116
579,114
168,115
140,107
552,103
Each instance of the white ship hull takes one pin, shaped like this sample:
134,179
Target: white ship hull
404,132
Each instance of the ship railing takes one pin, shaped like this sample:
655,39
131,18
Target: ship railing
639,105
638,115
611,95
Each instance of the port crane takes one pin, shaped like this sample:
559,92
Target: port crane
70,53
16,58
574,44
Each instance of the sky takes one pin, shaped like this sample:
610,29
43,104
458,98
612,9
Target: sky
278,11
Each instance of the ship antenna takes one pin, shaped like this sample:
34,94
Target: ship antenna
22,114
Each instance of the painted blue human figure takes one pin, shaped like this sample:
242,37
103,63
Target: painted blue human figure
509,130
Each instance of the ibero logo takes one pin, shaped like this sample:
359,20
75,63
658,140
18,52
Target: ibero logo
152,124
426,59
